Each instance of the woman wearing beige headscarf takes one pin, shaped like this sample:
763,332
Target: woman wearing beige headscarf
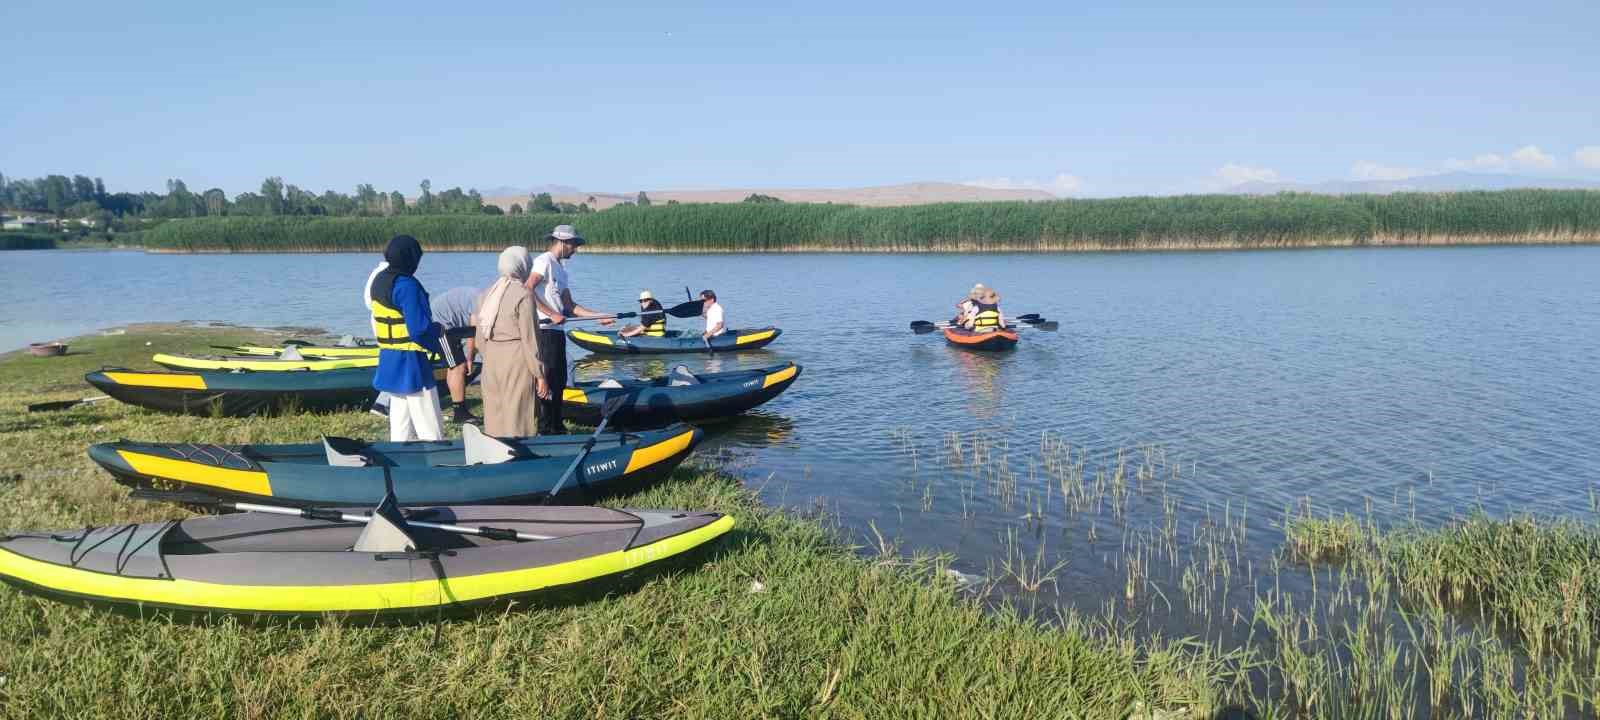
513,377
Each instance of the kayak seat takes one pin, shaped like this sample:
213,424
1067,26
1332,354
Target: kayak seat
345,452
482,449
680,377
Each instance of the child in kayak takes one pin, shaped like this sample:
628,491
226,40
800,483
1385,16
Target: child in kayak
985,316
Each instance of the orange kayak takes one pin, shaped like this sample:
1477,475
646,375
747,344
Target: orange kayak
997,340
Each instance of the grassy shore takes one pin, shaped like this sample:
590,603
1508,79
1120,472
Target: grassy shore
781,619
1198,222
1484,617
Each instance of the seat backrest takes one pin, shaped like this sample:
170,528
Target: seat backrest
680,376
345,452
610,384
482,449
386,531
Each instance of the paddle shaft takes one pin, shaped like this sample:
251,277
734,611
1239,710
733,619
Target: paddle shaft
610,408
334,515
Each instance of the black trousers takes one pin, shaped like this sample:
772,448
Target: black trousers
553,354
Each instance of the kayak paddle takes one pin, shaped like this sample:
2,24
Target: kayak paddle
64,404
690,309
197,498
613,403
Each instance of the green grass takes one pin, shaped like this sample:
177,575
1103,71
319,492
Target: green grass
832,634
1135,223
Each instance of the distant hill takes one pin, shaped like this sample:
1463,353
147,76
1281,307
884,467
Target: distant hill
877,196
1443,182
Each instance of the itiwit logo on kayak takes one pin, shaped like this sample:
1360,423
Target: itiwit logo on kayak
598,468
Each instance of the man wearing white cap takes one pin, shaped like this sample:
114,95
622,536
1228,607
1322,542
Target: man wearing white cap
552,292
652,320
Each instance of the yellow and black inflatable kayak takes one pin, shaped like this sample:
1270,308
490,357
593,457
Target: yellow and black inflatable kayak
262,363
256,564
236,394
472,470
610,342
309,351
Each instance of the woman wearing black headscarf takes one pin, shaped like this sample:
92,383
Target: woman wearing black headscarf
403,323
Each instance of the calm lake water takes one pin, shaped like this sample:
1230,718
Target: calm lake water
1401,384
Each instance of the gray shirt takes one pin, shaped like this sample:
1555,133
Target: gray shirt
454,308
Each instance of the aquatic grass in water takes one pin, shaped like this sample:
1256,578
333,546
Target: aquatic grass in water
1192,222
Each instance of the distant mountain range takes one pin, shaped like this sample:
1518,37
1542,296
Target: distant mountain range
1442,182
880,195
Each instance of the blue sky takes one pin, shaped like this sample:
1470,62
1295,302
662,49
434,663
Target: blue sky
618,97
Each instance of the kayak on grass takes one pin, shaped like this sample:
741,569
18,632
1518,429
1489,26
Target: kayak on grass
678,396
475,470
258,564
305,350
1003,339
236,394
262,363
675,341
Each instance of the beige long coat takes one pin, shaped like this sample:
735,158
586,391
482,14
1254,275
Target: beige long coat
510,364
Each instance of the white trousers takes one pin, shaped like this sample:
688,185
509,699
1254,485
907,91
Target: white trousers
415,416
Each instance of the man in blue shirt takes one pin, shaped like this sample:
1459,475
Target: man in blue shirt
402,322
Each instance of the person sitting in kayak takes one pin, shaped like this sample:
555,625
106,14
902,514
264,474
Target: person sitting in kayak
715,324
966,307
652,320
985,316
402,321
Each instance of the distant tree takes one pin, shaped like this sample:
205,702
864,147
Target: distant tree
425,200
584,209
590,200
397,203
272,196
99,191
82,188
83,208
57,193
643,199
367,202
516,209
493,210
543,204
759,198
216,201
672,202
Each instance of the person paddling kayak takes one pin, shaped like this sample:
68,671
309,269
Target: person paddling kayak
716,324
552,292
652,320
986,316
967,306
402,321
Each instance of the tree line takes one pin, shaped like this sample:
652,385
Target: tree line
79,196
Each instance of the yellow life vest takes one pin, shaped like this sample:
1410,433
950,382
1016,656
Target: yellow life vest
389,327
987,319
656,327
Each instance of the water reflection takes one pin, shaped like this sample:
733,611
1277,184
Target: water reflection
981,380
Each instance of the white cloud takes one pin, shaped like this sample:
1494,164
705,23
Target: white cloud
1486,161
1532,157
1235,174
1588,156
1368,170
1061,184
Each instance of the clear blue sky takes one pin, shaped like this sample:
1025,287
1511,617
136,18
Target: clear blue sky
614,96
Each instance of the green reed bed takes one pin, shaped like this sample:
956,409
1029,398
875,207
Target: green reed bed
780,619
26,241
1138,223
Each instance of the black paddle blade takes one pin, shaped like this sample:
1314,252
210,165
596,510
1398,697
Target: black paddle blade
1048,326
690,309
52,406
1029,316
923,327
613,404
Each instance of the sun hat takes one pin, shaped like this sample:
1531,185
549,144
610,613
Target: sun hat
566,234
645,295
